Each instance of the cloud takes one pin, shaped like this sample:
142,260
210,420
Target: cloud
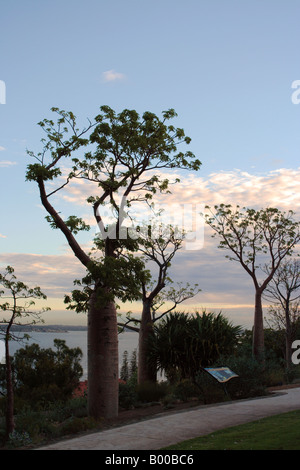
225,286
2,236
53,273
278,188
2,148
113,76
6,163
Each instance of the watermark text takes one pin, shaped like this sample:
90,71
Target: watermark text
296,94
2,92
296,354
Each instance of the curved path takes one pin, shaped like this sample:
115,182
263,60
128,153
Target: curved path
161,431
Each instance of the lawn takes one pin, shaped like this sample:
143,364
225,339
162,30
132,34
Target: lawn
280,432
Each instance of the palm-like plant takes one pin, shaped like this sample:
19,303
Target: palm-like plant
183,343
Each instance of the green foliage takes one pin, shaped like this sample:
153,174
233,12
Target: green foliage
152,392
75,224
46,375
125,154
112,278
183,343
53,421
128,397
185,389
16,291
280,432
251,234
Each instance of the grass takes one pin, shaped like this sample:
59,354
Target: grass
280,432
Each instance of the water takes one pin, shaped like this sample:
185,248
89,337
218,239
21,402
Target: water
128,341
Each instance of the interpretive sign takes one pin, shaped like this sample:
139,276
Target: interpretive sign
221,374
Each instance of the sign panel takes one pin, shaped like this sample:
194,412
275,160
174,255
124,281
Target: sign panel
221,374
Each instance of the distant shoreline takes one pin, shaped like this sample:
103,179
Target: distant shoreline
49,328
45,328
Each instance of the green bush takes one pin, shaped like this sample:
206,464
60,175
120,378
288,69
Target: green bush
74,425
34,423
210,391
149,391
253,376
185,390
128,397
46,375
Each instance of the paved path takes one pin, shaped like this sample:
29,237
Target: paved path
161,431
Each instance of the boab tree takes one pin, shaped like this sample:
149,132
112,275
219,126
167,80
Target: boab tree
158,244
258,240
117,155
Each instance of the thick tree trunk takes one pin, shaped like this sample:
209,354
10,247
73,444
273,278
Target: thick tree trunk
258,329
146,373
10,424
103,364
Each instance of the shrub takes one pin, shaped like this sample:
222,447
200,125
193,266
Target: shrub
127,395
252,377
74,425
183,342
185,390
149,391
210,391
46,375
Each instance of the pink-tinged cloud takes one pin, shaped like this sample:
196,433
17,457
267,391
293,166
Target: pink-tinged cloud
112,76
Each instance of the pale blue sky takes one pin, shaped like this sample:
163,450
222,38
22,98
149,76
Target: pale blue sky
226,66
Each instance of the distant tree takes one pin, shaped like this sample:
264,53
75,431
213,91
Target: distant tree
129,368
133,364
158,245
256,238
124,372
284,294
117,156
17,310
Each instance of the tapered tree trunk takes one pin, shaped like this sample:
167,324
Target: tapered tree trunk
146,373
103,370
258,347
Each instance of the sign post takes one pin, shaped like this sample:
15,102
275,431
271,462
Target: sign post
222,375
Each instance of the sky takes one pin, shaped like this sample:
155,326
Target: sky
229,68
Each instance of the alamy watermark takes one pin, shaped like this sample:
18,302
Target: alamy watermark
296,94
2,92
296,354
182,221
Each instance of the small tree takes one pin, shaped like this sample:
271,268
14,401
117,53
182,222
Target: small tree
124,372
255,238
284,294
158,245
17,307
